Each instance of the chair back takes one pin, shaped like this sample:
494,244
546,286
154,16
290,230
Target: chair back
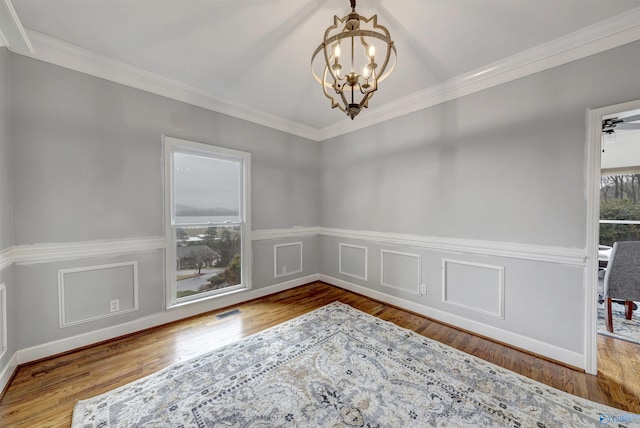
622,279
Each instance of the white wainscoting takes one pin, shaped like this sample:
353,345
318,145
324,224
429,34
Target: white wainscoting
473,286
287,259
561,255
352,261
63,345
85,293
7,258
402,271
44,253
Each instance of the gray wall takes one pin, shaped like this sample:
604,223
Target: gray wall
87,152
505,165
6,218
87,157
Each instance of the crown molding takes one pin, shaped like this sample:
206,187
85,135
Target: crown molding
73,57
605,35
12,33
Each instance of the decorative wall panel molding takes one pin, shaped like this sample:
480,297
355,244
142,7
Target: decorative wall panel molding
473,286
353,261
566,256
402,271
37,352
91,293
287,259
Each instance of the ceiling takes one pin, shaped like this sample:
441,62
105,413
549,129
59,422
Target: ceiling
621,149
251,58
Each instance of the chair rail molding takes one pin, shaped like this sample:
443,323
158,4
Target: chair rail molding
7,258
292,232
45,253
51,252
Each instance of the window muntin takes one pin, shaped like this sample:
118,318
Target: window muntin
208,226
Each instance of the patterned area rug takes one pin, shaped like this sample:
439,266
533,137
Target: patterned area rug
337,367
623,328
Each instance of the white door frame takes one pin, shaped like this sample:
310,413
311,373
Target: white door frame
593,159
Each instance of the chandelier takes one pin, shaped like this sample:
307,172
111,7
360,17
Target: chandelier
349,74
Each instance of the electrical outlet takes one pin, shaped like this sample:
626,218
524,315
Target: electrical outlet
114,305
284,269
423,288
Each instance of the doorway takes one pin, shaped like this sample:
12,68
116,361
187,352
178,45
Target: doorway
595,145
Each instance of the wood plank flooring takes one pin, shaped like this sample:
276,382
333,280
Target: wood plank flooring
42,394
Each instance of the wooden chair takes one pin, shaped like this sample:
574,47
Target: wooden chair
622,279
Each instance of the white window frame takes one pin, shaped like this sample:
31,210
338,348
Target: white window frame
171,146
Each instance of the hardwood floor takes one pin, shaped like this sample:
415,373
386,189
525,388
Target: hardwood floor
42,394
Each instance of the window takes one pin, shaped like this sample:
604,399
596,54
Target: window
208,224
619,208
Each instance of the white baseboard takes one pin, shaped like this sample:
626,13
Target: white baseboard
64,345
7,371
513,339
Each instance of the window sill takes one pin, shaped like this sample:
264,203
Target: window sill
206,298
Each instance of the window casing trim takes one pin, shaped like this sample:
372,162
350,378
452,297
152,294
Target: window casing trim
173,145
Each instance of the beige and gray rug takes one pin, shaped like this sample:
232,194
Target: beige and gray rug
623,328
339,367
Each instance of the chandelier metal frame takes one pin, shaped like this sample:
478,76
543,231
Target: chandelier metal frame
347,85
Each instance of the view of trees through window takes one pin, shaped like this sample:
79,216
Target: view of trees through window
207,258
619,208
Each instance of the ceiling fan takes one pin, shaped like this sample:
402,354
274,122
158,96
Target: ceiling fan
613,124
